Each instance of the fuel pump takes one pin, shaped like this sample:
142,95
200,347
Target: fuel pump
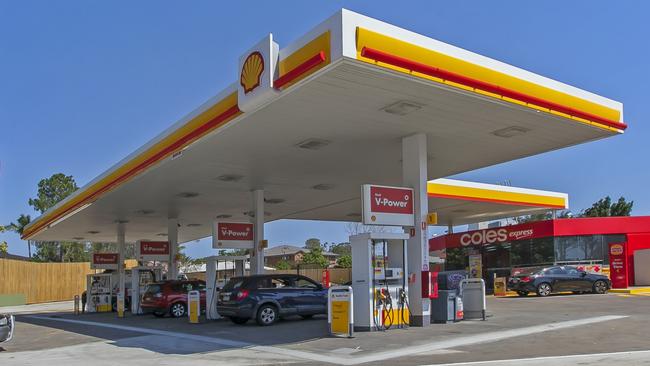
218,271
379,281
98,292
141,277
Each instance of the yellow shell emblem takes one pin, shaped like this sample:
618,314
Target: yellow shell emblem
251,72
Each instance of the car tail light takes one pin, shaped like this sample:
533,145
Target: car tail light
525,279
241,295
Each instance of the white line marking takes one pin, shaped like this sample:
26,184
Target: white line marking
352,360
549,358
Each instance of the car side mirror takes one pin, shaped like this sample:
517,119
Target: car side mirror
583,274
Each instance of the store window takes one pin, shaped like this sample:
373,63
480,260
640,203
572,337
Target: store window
584,248
457,259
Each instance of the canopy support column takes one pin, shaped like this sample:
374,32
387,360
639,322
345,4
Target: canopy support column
172,237
414,175
257,259
121,249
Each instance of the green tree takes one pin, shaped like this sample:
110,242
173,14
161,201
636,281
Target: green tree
282,265
19,227
605,208
548,215
315,256
341,249
52,190
4,249
344,261
312,243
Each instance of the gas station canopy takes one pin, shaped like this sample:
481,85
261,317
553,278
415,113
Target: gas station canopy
459,202
322,116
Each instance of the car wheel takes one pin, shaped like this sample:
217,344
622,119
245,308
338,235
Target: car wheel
600,287
178,310
267,315
238,320
544,289
522,293
307,316
158,314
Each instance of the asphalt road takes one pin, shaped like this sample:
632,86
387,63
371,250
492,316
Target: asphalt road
585,329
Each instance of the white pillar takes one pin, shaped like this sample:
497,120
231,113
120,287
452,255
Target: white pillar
414,175
257,260
172,237
121,244
211,292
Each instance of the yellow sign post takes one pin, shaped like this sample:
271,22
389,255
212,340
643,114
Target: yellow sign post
432,218
500,286
340,316
194,306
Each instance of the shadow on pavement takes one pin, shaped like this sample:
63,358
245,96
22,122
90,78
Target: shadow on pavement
178,336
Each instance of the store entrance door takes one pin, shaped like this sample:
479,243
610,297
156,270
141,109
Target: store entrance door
496,260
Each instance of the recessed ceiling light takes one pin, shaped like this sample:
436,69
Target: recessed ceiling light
144,212
78,237
92,232
313,144
230,177
162,234
511,131
402,108
323,187
224,216
193,225
273,201
187,194
252,214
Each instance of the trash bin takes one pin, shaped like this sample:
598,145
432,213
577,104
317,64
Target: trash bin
472,292
443,308
448,306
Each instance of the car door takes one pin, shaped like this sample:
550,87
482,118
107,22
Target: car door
557,277
309,296
279,289
579,280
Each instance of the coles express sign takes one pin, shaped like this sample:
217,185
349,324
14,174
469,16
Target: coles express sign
491,236
387,205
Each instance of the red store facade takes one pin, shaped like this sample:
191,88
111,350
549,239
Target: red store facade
578,241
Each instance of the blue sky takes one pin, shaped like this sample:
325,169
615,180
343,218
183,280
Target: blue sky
85,83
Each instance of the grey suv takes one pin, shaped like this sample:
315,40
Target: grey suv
269,297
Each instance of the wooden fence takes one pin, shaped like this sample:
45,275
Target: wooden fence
44,282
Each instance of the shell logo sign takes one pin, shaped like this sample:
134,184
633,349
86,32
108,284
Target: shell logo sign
257,71
616,249
251,72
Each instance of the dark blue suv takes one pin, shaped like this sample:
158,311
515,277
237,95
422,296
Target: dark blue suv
269,297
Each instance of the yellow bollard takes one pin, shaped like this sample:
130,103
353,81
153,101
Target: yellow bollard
120,305
193,306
